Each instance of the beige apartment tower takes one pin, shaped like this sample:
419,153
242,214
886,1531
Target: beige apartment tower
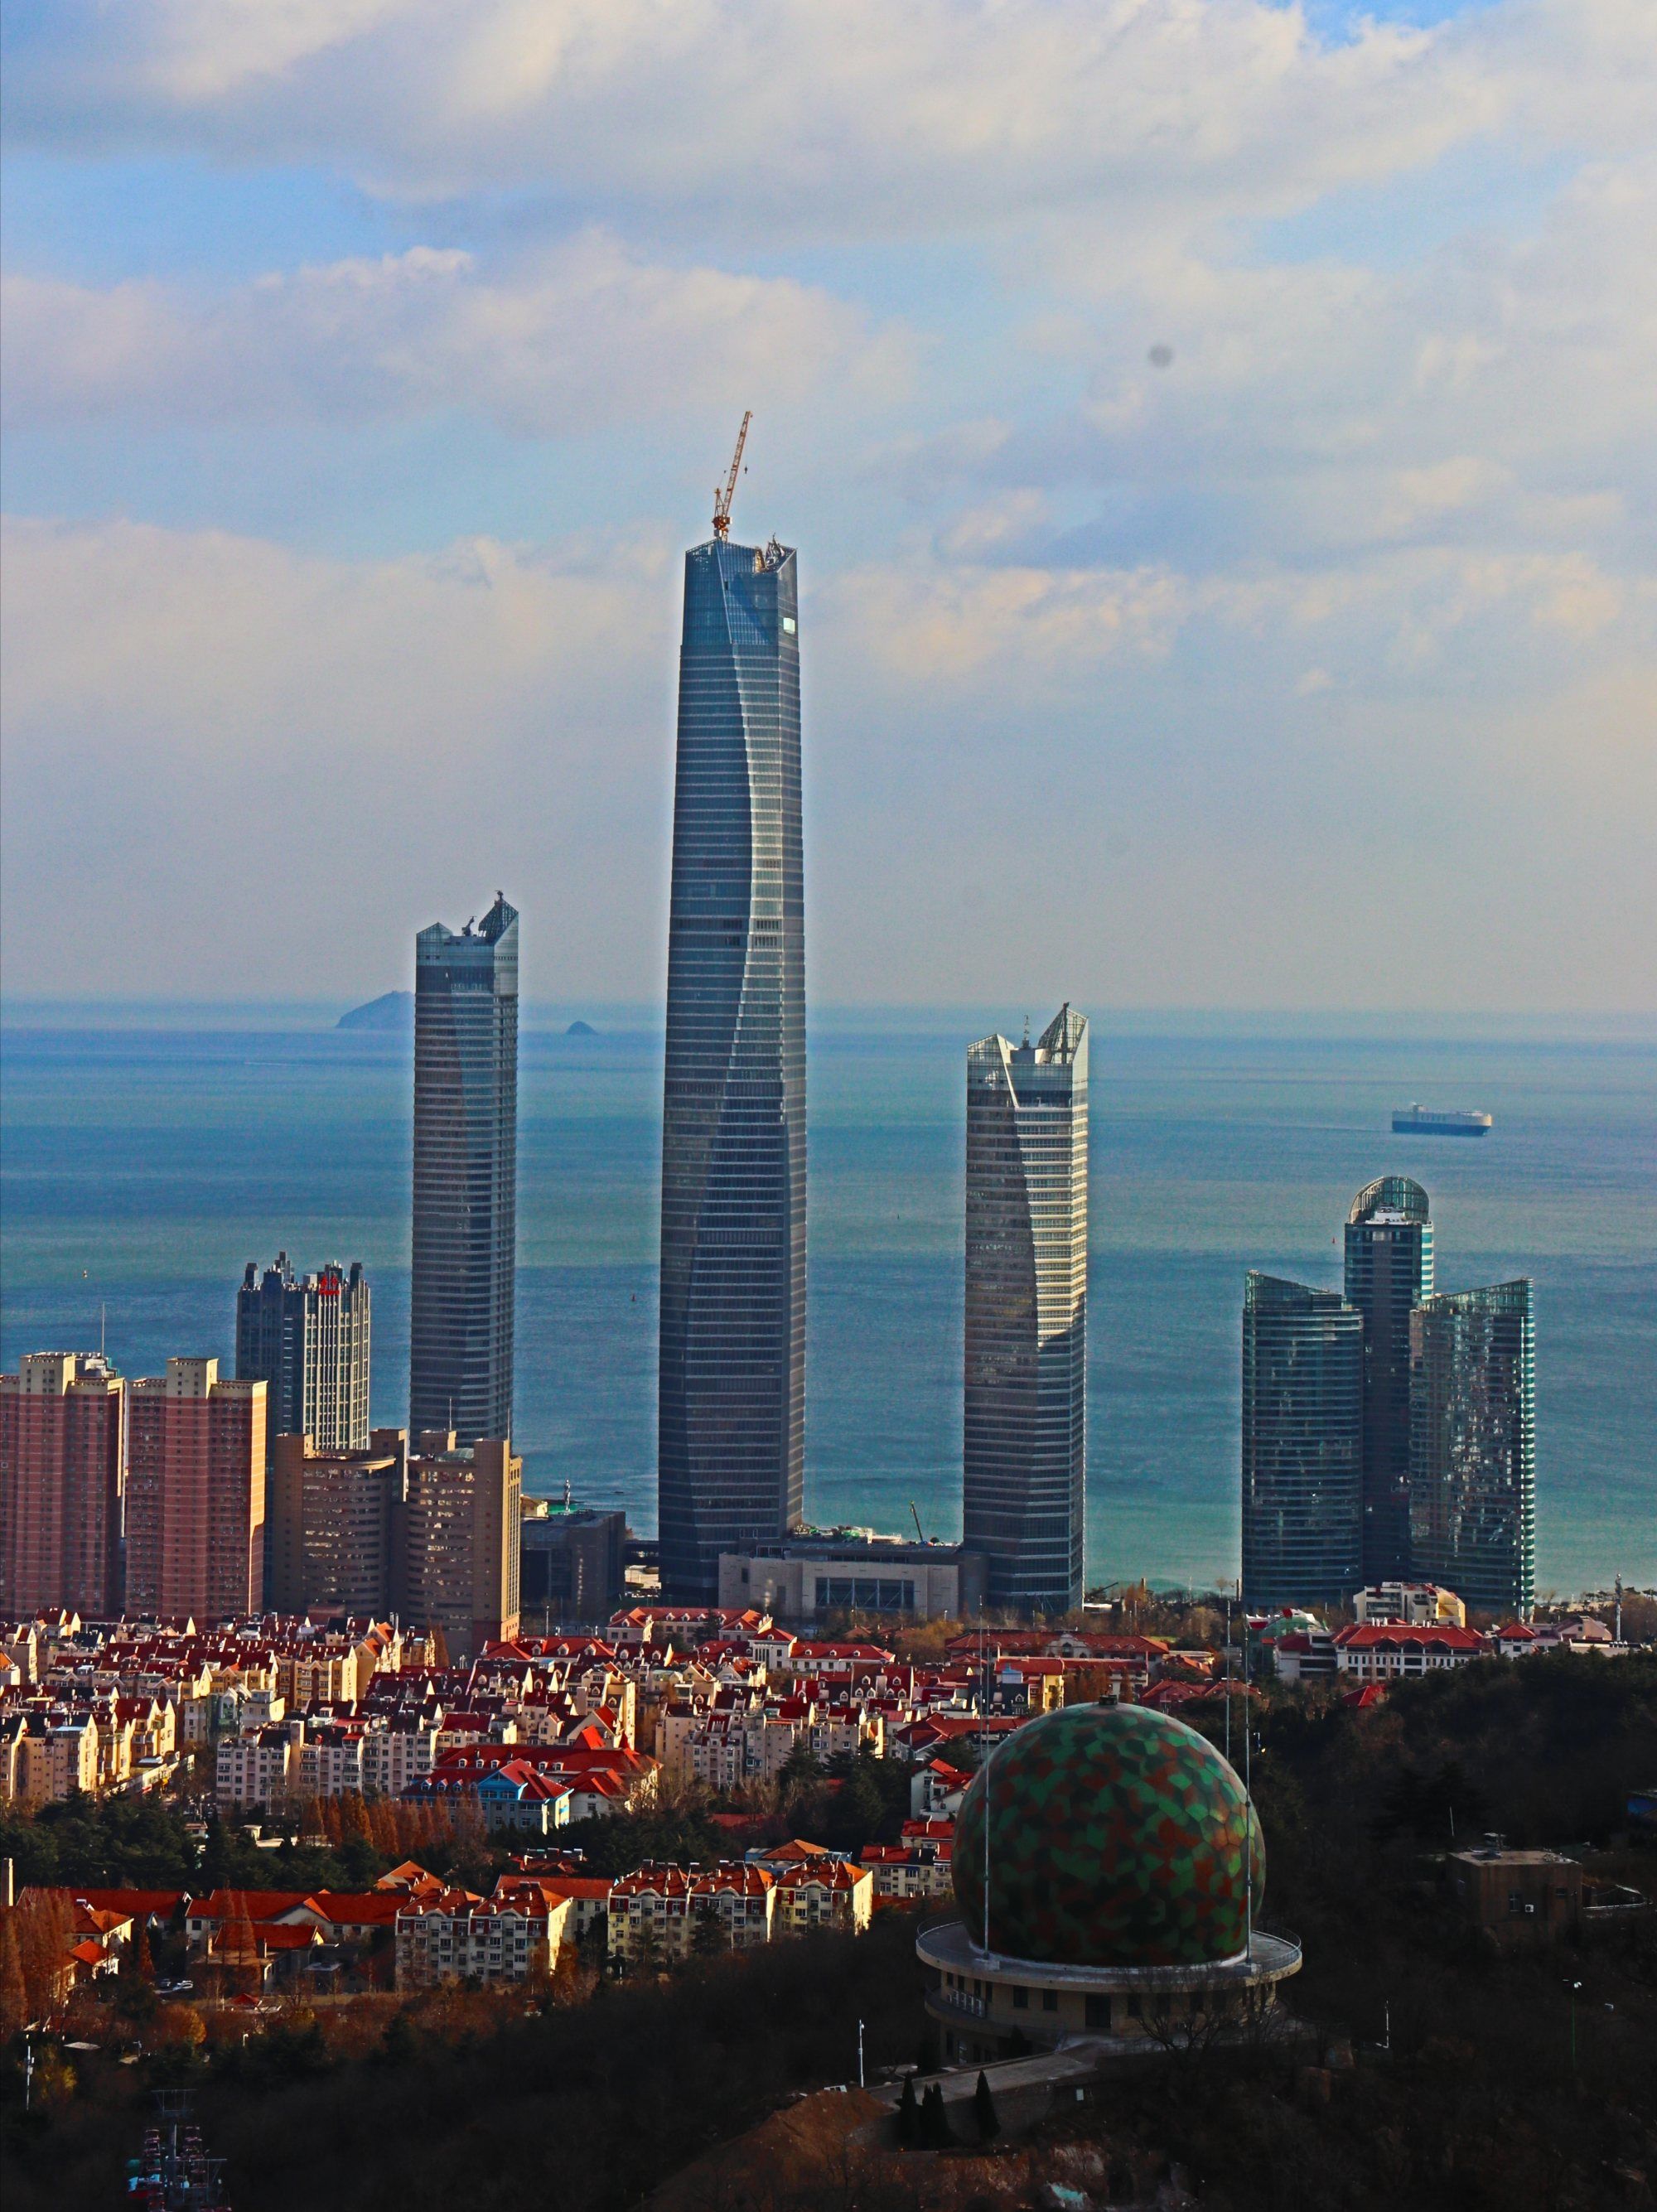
62,1434
459,1541
335,1519
195,1498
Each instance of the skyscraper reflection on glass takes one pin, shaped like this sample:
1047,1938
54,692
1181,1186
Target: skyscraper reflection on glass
465,1177
1473,1470
1389,1270
1303,1444
1025,1441
731,1420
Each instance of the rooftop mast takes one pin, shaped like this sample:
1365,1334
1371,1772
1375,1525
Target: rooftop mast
723,495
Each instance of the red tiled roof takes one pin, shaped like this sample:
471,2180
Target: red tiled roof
1439,1636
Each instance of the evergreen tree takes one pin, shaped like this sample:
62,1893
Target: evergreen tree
908,2113
934,2120
984,2112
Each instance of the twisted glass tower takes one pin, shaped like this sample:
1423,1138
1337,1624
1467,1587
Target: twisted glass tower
465,1177
1025,1439
1389,1270
730,1414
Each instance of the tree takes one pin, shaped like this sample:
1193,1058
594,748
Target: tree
935,2131
709,1938
908,2114
801,1770
14,1992
984,2112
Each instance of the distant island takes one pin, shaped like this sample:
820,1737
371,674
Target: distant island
580,1029
392,1010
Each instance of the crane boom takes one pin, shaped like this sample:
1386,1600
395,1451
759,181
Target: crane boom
919,1531
724,494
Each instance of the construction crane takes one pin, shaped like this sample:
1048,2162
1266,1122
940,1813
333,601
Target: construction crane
919,1531
724,494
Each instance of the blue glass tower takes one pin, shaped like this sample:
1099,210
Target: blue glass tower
465,1177
1303,1444
731,1418
1389,1270
1473,1470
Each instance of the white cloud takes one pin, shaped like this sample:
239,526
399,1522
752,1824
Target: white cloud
580,338
783,117
202,729
205,730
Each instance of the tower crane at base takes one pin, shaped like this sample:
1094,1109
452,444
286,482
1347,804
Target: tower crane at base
724,494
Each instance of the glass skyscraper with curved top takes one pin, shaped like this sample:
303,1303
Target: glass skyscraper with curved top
730,1420
1389,1270
465,1177
1025,1438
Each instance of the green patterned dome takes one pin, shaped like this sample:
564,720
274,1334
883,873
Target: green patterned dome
1116,1840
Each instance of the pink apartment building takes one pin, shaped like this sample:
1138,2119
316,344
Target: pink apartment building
61,1435
195,1494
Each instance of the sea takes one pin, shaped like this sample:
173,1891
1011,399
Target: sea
150,1152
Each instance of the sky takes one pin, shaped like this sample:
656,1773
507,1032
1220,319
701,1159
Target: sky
1220,438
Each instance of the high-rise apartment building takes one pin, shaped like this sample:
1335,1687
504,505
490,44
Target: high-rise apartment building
62,1467
307,1337
1472,1469
459,1549
731,1403
1303,1444
1025,1442
466,1176
195,1496
336,1525
1389,1270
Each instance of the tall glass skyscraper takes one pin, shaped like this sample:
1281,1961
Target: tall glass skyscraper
1389,1270
1025,1442
730,1423
1303,1444
307,1337
465,1177
1472,1469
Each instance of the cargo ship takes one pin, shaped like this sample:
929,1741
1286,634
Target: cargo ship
1419,1122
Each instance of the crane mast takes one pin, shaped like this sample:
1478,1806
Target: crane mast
724,494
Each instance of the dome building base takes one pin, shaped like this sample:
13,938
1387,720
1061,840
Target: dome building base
990,2006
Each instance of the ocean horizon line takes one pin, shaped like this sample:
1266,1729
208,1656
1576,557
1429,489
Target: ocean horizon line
646,1018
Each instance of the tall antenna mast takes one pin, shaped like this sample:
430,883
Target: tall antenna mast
724,494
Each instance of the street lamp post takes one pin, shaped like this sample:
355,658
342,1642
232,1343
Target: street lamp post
1573,1987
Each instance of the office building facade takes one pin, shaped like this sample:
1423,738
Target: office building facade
1472,1472
459,1541
1025,1441
465,1177
731,1405
334,1525
1389,1270
812,1574
306,1337
571,1570
62,1463
195,1496
1303,1444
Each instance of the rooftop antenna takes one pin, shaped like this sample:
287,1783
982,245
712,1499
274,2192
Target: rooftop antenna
723,495
1027,1029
